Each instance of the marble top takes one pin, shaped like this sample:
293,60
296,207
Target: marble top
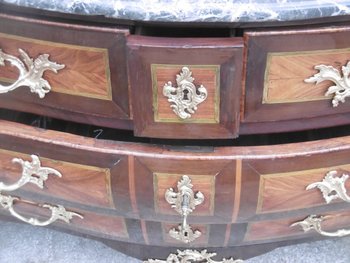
196,10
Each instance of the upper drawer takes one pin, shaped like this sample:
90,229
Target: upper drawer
91,87
296,75
185,88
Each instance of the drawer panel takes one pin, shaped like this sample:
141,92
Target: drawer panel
278,96
73,184
92,87
185,88
274,230
280,183
239,184
287,191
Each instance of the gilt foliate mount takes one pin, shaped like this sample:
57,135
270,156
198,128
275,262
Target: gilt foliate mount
185,97
190,255
341,88
30,72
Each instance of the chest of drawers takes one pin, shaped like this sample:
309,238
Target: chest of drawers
190,154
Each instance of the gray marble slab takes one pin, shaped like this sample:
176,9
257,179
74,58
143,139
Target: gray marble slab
196,10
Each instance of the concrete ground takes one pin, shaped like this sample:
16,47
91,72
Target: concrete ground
21,243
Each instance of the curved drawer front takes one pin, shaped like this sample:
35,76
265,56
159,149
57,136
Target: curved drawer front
282,229
296,75
185,88
225,184
90,83
78,183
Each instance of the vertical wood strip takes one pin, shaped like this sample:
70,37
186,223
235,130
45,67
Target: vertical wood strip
132,189
144,231
227,235
238,184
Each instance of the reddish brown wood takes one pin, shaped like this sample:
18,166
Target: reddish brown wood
289,116
226,53
80,93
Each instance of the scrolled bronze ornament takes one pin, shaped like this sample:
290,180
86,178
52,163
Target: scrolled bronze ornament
185,97
341,88
30,72
190,255
184,201
332,187
32,172
57,212
313,222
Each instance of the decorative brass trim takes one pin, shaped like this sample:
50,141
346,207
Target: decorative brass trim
57,212
30,72
332,187
313,222
184,202
184,98
190,255
32,172
341,89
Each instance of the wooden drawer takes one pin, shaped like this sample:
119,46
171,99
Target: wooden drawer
185,88
283,229
127,177
91,88
280,181
277,97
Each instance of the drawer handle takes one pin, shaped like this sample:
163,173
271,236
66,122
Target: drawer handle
332,187
186,96
184,202
32,172
30,72
341,89
57,212
190,255
313,222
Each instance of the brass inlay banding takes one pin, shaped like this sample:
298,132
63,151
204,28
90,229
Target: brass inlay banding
266,98
64,90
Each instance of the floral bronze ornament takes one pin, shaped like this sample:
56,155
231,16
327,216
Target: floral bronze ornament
184,202
313,222
189,256
332,187
185,97
341,89
30,72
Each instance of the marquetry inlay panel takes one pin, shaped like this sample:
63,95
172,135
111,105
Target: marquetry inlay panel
287,191
86,71
286,72
75,184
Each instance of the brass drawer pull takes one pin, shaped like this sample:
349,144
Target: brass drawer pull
186,96
30,72
57,212
184,202
332,187
341,89
313,222
32,172
190,255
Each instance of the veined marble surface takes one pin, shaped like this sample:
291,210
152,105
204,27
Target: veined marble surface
196,10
